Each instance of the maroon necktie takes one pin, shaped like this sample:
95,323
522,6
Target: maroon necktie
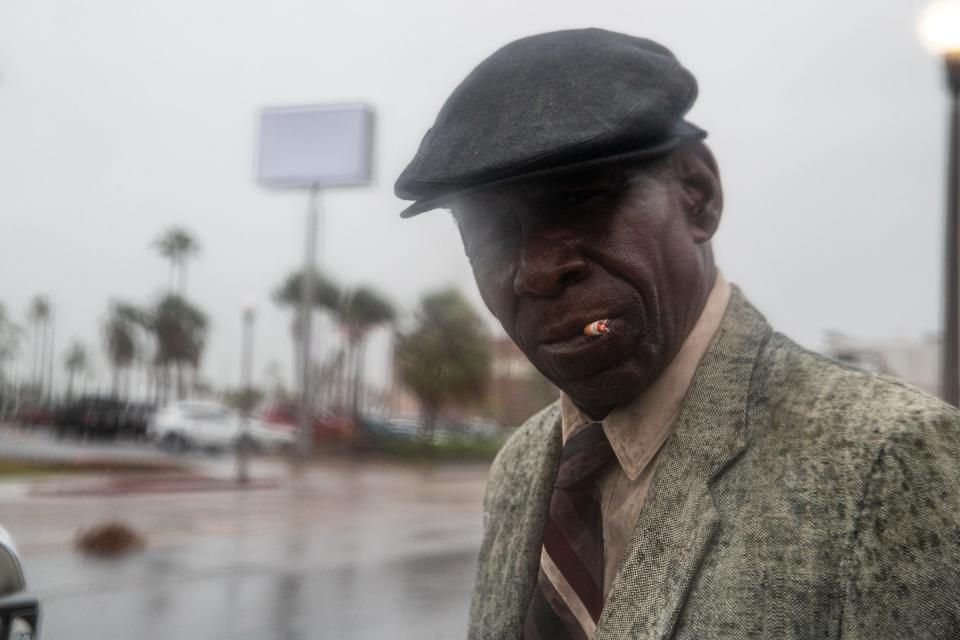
568,597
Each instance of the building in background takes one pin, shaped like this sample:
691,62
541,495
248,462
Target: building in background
915,361
517,390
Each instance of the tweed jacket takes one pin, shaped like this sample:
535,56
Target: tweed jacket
796,498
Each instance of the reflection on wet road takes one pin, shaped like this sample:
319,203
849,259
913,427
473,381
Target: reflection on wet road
339,552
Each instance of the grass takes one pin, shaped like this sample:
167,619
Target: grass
16,467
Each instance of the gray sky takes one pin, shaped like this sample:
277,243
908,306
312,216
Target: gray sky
118,119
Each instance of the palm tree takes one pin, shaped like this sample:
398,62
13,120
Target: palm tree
120,339
445,359
326,294
177,245
10,335
326,297
180,330
358,312
40,318
140,324
75,362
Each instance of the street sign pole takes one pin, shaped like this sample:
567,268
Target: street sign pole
306,324
246,388
313,147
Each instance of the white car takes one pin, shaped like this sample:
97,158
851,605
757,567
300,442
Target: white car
264,436
211,425
19,611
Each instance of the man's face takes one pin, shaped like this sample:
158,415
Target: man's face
551,257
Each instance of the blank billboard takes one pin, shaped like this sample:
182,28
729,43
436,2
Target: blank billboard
322,145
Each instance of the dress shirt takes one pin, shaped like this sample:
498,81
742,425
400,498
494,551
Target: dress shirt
638,430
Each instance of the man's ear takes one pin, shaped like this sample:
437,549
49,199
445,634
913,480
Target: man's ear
702,194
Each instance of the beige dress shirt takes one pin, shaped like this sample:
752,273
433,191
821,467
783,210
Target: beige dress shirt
638,430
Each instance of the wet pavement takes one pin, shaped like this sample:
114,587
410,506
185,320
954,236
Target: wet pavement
39,443
340,550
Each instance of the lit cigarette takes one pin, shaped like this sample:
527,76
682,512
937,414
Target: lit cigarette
597,328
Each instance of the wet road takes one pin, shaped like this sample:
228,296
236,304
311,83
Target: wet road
340,551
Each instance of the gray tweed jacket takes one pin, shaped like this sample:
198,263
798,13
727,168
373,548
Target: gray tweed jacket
796,498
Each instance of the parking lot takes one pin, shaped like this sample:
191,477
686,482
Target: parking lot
339,549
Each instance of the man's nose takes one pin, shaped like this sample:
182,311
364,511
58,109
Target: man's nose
548,263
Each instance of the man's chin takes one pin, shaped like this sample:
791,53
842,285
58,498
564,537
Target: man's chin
606,389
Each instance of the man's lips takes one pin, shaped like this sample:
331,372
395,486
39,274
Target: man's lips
579,355
576,343
574,346
572,329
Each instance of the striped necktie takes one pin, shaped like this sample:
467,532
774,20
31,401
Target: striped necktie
568,596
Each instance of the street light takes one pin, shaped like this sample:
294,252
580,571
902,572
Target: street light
939,27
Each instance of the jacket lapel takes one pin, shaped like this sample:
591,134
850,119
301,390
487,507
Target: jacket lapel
679,518
509,565
528,538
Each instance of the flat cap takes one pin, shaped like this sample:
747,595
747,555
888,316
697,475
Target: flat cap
551,103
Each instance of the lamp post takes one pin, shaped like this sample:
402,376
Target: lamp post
940,30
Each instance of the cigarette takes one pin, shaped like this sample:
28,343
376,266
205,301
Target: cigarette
597,328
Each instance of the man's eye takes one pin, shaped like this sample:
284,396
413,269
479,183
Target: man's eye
579,197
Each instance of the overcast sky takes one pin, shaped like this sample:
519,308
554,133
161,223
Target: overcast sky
118,119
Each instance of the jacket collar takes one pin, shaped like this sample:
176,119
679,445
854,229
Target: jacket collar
679,517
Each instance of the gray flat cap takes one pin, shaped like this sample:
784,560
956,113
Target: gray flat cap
547,104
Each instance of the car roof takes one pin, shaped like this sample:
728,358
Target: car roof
194,405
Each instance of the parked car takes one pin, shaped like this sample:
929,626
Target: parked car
211,425
135,418
90,417
103,417
262,436
382,426
19,611
412,426
33,415
474,427
325,427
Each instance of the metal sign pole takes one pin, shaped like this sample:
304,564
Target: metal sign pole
246,387
305,147
306,317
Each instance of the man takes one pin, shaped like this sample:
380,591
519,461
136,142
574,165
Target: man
701,476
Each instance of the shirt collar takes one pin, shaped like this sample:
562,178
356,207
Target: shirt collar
638,429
